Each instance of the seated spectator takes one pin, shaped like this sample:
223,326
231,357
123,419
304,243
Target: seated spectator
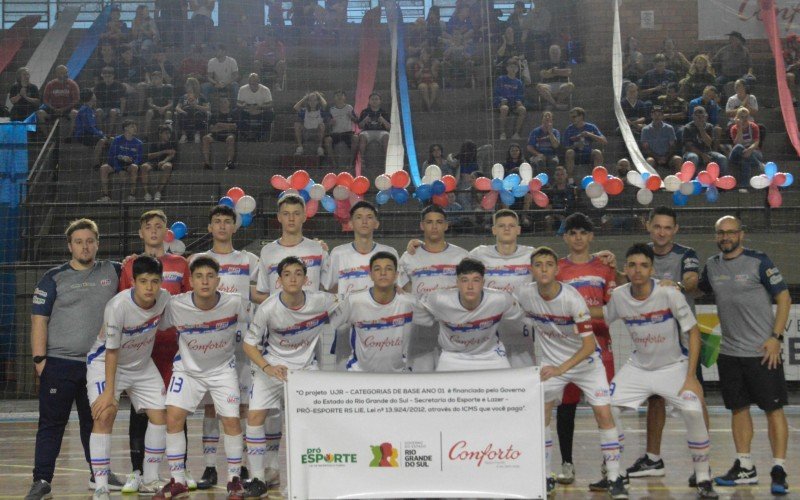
192,112
310,122
302,13
340,130
254,104
698,142
658,144
161,157
514,159
275,14
434,32
270,60
746,153
554,86
105,56
117,31
654,82
537,26
633,68
580,138
791,57
111,101
732,62
86,131
223,75
60,98
561,194
543,144
436,157
701,75
160,101
459,48
130,71
374,123
676,61
201,24
162,65
170,16
509,94
23,95
509,47
635,110
194,65
143,30
124,155
673,106
709,102
415,41
426,76
741,98
222,128
466,164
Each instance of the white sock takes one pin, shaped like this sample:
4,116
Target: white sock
210,441
273,426
699,443
745,460
548,450
233,451
617,414
609,447
653,457
176,452
155,444
780,462
100,452
256,449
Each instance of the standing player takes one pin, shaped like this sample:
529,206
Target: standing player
208,322
431,267
564,327
508,266
120,361
288,325
656,316
237,273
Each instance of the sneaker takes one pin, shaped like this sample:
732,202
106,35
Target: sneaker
516,137
503,136
235,489
617,489
644,467
567,474
153,486
601,485
148,197
102,493
171,491
133,483
230,166
115,482
244,474
320,151
706,490
104,199
255,488
197,137
183,139
272,477
779,484
299,150
131,197
157,196
551,486
737,475
693,480
40,490
191,484
209,479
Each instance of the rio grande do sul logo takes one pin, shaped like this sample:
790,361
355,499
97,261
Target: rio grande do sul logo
317,456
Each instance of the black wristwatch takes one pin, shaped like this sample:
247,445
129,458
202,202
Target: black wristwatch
777,336
38,359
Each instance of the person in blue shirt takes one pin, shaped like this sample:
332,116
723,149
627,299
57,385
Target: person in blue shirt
579,139
543,144
85,130
509,93
125,154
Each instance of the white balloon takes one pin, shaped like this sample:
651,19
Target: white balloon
601,201
341,193
525,172
246,204
383,182
672,183
177,247
317,192
687,188
644,196
498,172
594,190
434,172
760,181
635,179
290,191
238,223
427,179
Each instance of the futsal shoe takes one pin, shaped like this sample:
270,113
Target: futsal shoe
235,489
114,482
40,490
737,475
254,489
172,490
191,484
209,479
567,474
706,490
133,483
644,467
551,486
779,484
617,489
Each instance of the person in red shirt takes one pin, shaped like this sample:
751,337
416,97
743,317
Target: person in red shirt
60,97
270,59
745,157
194,65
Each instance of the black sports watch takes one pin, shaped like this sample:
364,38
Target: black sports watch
38,359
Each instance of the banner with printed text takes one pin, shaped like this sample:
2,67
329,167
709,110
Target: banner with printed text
437,435
716,18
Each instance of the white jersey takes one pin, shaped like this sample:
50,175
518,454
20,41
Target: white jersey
467,331
379,332
505,272
430,271
309,251
654,323
560,322
129,328
206,339
349,269
236,270
289,336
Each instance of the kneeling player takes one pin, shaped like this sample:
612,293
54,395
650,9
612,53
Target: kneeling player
120,361
563,326
655,316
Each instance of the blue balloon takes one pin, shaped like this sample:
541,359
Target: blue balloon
545,179
227,201
771,169
698,188
712,194
511,181
679,199
328,203
507,197
497,184
247,219
399,195
645,176
305,195
789,180
520,191
424,192
586,181
438,187
179,229
310,183
384,196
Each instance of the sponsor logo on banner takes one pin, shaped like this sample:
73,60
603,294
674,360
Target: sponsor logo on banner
384,455
415,455
317,457
482,453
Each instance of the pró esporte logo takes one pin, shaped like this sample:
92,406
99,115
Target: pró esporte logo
315,456
383,455
480,454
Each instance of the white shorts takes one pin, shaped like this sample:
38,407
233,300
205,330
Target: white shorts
266,392
460,362
632,386
517,336
590,377
374,135
144,386
186,391
244,376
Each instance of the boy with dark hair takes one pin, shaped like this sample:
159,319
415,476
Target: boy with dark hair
374,124
222,128
340,129
111,99
161,156
160,100
86,131
125,154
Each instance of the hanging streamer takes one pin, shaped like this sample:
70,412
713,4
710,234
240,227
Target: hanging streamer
395,153
367,65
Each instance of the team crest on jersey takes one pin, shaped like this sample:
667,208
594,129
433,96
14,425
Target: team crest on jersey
234,269
478,324
209,326
171,276
389,322
105,282
354,272
435,270
509,270
304,326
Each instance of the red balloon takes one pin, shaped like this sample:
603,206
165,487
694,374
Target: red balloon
600,175
299,179
705,178
489,200
235,193
360,185
778,179
687,171
541,199
535,185
400,179
440,200
483,184
329,181
280,183
726,182
653,183
344,179
450,183
713,169
614,186
170,236
774,197
311,208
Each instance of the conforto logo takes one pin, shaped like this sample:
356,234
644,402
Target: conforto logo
462,451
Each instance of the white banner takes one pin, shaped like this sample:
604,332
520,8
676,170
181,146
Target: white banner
437,435
718,17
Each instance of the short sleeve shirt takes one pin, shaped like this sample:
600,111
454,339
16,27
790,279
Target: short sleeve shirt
540,140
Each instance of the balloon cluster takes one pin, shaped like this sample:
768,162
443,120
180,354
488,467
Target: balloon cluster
600,185
243,204
511,187
773,180
393,187
712,182
647,184
172,240
435,186
342,186
682,185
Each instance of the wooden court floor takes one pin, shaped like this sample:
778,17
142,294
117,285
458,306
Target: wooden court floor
17,438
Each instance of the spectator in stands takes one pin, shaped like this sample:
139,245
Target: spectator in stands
561,193
340,130
161,157
633,68
635,109
415,41
509,94
673,106
466,164
374,123
107,57
676,61
117,31
201,24
60,98
746,153
223,75
162,65
741,98
654,82
732,62
310,122
130,72
555,88
434,32
170,16
222,128
698,141
194,65
791,57
124,155
514,159
254,103
701,75
516,21
192,112
160,101
436,157
86,131
23,95
111,101
658,143
143,30
543,144
709,102
509,47
580,138
302,13
275,13
426,76
458,45
270,60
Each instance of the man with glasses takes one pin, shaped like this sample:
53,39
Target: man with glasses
581,138
698,141
745,282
